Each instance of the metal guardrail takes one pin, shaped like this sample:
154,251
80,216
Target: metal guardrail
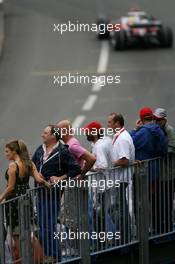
110,209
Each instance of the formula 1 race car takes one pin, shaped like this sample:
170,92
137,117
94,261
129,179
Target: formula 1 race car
136,27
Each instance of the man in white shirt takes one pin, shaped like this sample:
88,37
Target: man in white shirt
122,154
101,146
122,149
101,150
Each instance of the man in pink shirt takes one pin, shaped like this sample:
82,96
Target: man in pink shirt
84,158
76,150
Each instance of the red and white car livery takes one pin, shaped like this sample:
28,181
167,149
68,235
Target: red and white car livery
135,28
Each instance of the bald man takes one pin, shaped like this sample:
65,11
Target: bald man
84,158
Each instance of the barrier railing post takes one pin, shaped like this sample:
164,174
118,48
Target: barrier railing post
84,243
2,235
143,218
25,230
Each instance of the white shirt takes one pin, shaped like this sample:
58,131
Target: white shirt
122,147
101,150
47,153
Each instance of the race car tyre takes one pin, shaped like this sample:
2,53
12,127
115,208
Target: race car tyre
166,37
119,40
104,34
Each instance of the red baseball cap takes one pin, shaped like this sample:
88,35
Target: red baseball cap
145,112
94,125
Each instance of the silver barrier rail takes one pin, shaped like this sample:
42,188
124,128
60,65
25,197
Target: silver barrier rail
33,228
161,195
107,210
55,220
15,231
112,209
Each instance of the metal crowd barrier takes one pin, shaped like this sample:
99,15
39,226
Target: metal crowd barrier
107,210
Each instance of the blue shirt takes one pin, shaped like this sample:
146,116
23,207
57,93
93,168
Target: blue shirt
149,141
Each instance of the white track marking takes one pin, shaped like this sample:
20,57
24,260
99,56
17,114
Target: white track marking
101,69
96,87
104,57
102,64
89,103
78,121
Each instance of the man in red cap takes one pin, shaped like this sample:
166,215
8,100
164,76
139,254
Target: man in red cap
101,145
149,140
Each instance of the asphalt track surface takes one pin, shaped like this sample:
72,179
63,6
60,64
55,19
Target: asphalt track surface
33,53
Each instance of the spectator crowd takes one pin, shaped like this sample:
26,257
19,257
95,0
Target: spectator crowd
61,156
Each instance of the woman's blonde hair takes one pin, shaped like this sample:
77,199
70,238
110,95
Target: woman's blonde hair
21,149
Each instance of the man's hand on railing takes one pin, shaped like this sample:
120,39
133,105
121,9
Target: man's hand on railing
46,184
56,179
138,162
79,177
43,182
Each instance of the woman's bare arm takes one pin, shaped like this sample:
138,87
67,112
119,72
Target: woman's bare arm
38,177
11,182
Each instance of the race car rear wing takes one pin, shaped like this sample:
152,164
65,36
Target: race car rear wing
145,25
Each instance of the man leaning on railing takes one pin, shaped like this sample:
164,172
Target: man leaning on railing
122,154
54,161
151,143
99,196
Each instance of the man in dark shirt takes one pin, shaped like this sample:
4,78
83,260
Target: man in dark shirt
149,139
54,161
150,144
